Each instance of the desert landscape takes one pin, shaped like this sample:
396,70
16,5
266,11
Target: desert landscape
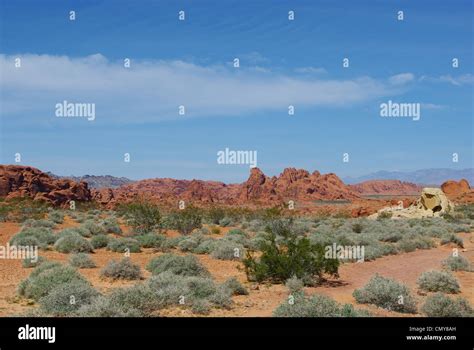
180,248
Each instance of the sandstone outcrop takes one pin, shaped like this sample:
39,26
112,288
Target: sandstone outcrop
386,187
432,203
26,181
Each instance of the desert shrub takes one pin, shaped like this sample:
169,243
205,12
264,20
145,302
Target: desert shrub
294,285
315,306
384,215
457,263
111,225
28,263
452,238
386,293
235,286
185,220
206,246
215,215
187,265
66,298
99,241
81,260
103,307
138,297
93,228
190,243
201,307
122,245
410,244
357,227
221,298
32,223
143,216
123,269
215,230
226,250
438,281
45,278
225,222
56,216
71,231
73,243
290,256
34,236
237,232
439,305
151,240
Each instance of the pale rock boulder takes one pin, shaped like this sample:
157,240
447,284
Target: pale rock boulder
432,203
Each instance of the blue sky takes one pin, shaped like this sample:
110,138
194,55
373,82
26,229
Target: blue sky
282,62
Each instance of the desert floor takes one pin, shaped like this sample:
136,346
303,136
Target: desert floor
262,299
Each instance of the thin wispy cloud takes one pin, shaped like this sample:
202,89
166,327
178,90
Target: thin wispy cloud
152,90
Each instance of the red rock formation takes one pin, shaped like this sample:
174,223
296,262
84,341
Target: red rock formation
25,181
292,184
459,192
386,187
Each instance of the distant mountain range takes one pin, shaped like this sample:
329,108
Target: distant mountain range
435,176
99,181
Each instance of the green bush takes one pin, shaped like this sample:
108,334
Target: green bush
122,245
315,306
56,216
111,225
99,241
32,223
73,243
66,298
386,293
93,228
215,215
185,220
138,297
187,265
104,307
143,216
285,255
439,305
294,285
452,238
81,260
71,231
34,236
226,250
235,286
45,278
151,240
457,263
438,281
225,222
28,263
123,269
215,230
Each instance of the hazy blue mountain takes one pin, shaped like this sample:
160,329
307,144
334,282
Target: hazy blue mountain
423,176
99,181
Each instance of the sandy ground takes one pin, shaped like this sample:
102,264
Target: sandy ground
263,299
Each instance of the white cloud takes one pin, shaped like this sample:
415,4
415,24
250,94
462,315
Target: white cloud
401,79
153,90
459,80
464,79
310,70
